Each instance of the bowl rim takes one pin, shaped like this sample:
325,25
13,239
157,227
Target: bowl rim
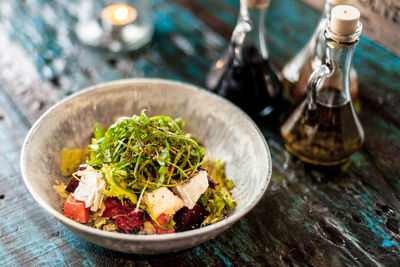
223,224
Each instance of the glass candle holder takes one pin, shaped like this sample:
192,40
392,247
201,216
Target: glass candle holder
122,25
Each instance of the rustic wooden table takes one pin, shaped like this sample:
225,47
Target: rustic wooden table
309,216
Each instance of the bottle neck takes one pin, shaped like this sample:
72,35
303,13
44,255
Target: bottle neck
318,39
250,30
339,61
333,74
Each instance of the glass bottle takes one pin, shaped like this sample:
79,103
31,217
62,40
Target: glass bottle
324,129
298,70
244,74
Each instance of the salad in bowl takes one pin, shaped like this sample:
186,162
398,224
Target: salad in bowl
224,130
145,175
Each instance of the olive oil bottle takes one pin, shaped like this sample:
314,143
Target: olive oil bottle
324,129
297,71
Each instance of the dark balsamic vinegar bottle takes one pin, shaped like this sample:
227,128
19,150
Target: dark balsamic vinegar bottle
244,74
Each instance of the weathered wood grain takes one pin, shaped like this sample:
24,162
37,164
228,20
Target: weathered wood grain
221,23
309,216
22,81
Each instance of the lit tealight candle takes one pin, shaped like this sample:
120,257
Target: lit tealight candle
119,15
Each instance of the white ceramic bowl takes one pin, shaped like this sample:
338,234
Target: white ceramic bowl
225,131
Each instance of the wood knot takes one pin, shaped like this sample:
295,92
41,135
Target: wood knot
113,62
378,212
55,81
56,234
386,208
331,234
392,225
357,219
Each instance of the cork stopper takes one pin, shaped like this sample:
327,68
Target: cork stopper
255,3
344,20
338,2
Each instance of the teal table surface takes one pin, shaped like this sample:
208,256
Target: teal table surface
345,216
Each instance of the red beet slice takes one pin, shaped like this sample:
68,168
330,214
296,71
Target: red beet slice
125,216
136,214
73,183
211,183
113,207
126,224
188,219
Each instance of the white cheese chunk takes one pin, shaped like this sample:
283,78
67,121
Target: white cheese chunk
91,188
191,191
162,200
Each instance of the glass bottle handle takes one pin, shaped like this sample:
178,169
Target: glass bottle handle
243,26
316,80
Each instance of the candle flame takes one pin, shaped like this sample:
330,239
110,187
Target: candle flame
121,13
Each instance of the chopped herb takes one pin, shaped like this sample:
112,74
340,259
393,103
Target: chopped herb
140,151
